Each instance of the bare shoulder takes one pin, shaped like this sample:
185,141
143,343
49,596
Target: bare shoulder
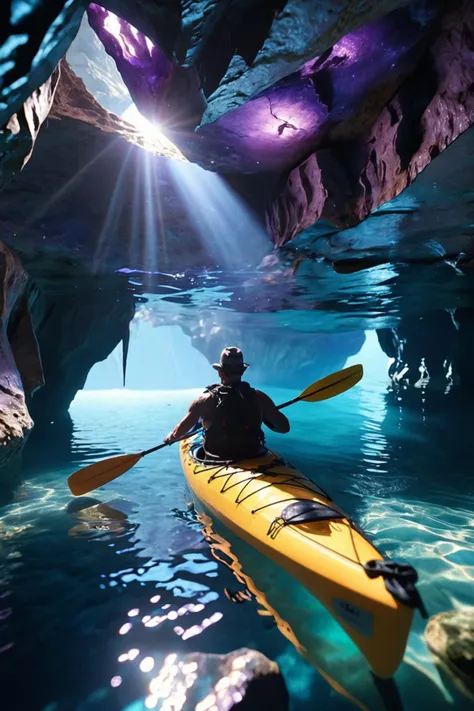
201,401
264,400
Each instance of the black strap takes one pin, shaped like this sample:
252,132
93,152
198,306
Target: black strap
302,511
400,581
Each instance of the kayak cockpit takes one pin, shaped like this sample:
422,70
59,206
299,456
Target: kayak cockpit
198,453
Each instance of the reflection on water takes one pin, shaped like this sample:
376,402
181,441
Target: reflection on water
308,294
110,588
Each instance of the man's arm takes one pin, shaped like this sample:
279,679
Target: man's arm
272,417
192,417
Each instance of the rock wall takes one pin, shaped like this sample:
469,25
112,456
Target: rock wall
236,50
434,350
34,37
77,324
357,170
50,337
20,367
18,136
351,117
79,203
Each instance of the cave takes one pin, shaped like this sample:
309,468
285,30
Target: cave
293,178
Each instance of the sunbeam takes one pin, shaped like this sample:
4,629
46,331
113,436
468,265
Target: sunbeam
225,225
151,134
111,223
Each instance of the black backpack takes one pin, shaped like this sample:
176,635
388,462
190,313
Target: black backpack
234,430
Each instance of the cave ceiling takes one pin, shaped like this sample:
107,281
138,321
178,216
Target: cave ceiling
331,122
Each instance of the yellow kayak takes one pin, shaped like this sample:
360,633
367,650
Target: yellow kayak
287,517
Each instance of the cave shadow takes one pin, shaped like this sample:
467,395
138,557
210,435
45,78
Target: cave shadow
429,405
53,446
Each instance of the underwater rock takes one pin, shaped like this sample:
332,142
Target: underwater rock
450,637
80,503
99,519
357,170
76,325
121,507
18,136
15,421
242,680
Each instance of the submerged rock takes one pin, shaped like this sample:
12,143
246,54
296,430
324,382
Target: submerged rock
242,680
15,421
99,519
96,517
450,637
81,502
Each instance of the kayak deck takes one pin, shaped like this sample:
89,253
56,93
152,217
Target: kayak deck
286,516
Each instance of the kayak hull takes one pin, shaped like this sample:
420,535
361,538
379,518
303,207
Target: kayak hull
326,556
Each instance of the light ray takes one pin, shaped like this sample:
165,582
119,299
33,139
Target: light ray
225,226
150,133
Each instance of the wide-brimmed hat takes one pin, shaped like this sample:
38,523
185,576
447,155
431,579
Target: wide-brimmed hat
232,358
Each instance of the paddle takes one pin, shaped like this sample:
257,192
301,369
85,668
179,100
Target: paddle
95,475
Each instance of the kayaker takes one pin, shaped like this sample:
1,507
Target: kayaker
232,413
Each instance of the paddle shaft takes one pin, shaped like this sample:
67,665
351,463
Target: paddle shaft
167,444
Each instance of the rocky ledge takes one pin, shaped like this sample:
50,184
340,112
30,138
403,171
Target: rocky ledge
450,637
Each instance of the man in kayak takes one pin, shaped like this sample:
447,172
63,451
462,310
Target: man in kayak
232,413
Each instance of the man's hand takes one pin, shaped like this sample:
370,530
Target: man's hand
271,415
170,438
187,423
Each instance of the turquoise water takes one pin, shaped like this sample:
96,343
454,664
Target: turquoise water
90,608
